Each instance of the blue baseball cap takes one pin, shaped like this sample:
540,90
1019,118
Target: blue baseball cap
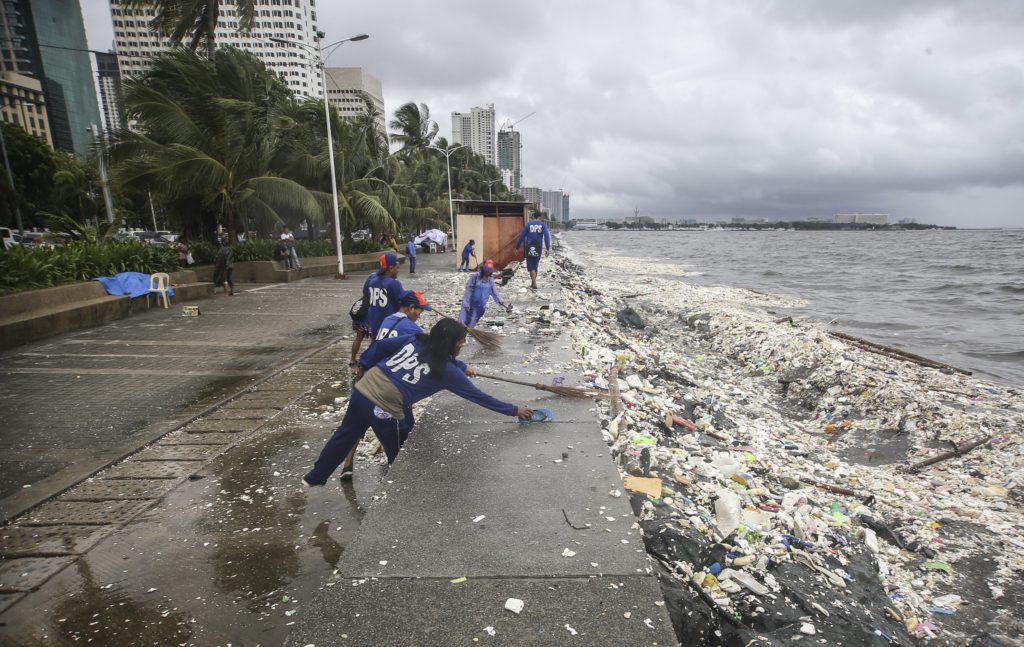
414,298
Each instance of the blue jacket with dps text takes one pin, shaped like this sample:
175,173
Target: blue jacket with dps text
410,249
468,251
533,233
397,325
382,293
399,358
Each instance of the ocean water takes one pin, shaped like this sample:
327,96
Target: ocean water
952,296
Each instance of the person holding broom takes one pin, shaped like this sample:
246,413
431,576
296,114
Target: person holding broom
480,288
397,373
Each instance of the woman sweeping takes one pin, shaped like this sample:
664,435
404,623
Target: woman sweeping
480,288
399,372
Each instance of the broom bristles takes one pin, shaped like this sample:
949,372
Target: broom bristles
571,392
487,339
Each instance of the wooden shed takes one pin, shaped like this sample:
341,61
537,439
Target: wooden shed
494,226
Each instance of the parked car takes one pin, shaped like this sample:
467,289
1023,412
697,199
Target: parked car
8,237
151,237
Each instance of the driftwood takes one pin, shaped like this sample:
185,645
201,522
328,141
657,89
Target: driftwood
613,390
959,451
896,353
828,487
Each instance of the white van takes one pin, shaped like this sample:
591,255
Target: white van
8,237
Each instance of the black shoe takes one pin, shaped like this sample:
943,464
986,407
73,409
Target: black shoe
309,484
346,474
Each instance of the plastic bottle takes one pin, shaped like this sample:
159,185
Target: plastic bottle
727,511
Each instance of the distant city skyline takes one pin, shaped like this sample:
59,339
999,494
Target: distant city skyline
719,110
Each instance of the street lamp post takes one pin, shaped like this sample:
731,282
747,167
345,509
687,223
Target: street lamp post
448,165
330,139
489,183
107,199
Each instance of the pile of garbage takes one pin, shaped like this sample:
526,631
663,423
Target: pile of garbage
775,469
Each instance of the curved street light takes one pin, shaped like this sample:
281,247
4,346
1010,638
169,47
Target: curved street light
489,183
320,62
447,152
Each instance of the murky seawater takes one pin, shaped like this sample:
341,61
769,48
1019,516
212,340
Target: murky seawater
952,296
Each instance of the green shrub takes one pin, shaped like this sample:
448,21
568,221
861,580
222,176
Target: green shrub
24,268
203,253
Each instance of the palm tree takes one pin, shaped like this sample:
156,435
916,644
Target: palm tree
196,19
415,128
206,137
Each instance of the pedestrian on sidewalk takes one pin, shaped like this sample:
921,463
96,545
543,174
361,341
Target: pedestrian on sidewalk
289,243
480,288
397,373
412,304
183,252
467,251
410,250
533,234
223,268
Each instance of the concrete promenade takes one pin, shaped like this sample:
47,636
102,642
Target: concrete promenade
206,536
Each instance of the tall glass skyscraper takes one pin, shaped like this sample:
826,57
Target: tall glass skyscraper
45,39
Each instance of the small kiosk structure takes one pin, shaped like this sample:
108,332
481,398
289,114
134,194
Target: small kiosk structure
494,226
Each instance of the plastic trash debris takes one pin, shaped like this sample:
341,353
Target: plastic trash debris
542,414
568,553
727,511
515,605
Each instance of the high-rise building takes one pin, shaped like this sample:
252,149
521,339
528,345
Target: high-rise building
533,195
565,208
509,159
290,20
476,130
110,88
551,201
346,87
45,40
22,102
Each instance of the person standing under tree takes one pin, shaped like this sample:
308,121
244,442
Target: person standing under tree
479,289
467,251
289,243
395,374
223,268
410,250
534,233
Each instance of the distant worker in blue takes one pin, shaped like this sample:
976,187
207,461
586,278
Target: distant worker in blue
411,305
396,374
479,289
533,235
383,291
467,251
410,251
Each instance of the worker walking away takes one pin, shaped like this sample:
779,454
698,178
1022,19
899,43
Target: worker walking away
534,234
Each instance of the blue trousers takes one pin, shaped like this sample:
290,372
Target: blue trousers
474,315
412,265
358,418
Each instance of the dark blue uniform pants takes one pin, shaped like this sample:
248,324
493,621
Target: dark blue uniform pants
358,418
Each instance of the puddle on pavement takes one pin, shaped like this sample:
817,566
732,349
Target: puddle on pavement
232,557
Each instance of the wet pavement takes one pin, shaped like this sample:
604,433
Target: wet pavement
205,535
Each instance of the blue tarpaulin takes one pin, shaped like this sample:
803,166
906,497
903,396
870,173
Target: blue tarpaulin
132,284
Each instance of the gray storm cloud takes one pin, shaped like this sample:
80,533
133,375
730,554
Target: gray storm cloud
713,110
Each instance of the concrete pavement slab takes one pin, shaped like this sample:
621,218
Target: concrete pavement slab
97,513
134,469
40,541
558,611
22,574
105,489
202,438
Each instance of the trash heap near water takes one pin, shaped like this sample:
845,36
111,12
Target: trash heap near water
770,466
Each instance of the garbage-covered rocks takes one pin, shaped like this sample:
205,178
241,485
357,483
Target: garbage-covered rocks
788,513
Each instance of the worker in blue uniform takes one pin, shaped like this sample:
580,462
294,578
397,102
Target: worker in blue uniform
398,372
533,236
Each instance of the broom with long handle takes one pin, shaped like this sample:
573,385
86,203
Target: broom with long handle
487,339
569,391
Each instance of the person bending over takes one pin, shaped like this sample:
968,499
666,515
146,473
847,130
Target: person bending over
397,373
479,289
467,251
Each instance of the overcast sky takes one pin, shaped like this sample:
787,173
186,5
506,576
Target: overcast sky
708,110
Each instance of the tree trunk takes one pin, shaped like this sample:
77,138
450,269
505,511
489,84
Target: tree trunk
212,11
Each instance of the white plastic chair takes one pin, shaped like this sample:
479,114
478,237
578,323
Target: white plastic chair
433,248
158,283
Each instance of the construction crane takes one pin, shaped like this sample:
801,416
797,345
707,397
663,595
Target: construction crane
509,124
